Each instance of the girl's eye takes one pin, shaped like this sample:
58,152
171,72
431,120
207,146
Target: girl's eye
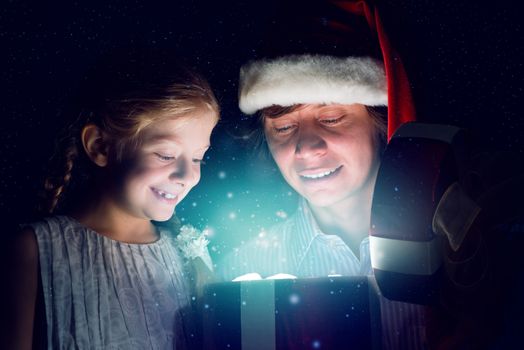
164,158
199,161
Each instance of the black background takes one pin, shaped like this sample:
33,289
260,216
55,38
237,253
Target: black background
464,60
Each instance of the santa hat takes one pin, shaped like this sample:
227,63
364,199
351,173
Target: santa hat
328,52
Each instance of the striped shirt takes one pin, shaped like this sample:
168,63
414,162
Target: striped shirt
298,247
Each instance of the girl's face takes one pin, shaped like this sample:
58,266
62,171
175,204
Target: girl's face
166,165
327,153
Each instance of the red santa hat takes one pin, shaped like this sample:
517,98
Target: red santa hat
328,52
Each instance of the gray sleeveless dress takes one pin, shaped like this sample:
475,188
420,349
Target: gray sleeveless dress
104,294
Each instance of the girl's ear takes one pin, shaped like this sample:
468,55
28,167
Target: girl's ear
95,144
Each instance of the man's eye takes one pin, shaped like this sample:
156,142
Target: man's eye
283,129
164,158
330,120
199,161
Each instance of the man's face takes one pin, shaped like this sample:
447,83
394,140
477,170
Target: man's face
327,153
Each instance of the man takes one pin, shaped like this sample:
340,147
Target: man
323,115
322,95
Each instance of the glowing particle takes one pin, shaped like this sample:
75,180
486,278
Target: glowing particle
208,231
294,299
222,175
281,214
230,195
232,215
316,344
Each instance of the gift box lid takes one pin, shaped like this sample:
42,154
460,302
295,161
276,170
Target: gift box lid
327,313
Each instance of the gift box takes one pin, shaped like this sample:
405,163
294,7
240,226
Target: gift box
313,313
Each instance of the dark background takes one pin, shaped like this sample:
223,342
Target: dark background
464,63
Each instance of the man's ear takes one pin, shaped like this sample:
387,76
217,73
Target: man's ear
95,144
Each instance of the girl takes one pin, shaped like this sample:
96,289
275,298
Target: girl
102,274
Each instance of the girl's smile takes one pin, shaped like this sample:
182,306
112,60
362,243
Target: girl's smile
168,197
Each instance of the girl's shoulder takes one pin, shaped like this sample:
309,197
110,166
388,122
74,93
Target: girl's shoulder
49,227
47,222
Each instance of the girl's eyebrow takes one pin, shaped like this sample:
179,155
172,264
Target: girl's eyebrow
159,139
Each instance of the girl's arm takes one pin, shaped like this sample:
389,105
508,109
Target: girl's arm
20,273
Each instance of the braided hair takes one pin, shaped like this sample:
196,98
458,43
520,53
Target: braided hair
123,94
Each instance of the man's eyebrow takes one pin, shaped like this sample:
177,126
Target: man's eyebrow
330,108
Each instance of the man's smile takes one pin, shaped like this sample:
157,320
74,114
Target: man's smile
316,174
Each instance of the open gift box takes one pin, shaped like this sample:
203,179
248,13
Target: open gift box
312,313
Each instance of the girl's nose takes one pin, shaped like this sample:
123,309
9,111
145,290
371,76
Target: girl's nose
183,172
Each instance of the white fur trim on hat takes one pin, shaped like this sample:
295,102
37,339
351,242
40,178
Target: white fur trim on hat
300,79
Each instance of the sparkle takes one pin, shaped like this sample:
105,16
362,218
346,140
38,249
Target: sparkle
281,214
209,231
294,299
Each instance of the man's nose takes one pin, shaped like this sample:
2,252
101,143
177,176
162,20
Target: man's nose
183,172
310,142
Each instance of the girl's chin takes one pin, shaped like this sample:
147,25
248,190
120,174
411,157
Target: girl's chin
162,216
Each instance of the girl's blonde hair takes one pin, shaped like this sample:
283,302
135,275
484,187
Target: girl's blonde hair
123,95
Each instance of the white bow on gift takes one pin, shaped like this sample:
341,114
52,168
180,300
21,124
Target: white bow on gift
253,276
193,244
